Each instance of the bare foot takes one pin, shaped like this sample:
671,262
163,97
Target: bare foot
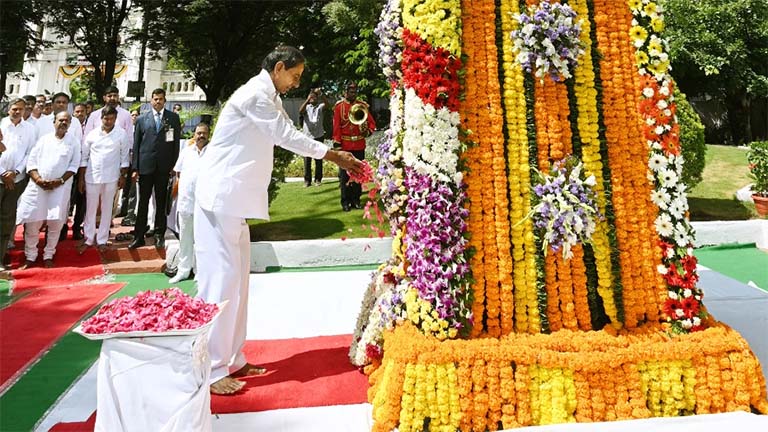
226,386
27,264
248,370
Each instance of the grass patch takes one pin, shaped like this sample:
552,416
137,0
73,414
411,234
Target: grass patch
300,213
309,213
714,198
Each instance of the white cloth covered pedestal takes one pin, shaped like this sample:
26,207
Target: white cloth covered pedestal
157,383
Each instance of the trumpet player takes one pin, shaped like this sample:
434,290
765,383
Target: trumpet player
352,123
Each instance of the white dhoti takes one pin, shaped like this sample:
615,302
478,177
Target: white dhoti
223,256
38,206
32,238
96,193
186,244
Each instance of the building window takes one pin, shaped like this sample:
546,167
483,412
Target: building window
173,86
165,85
192,87
10,89
186,86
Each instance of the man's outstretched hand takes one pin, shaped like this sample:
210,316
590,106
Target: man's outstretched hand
345,160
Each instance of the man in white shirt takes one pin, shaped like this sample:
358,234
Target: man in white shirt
111,98
44,125
238,167
52,163
37,109
103,169
312,114
187,168
19,137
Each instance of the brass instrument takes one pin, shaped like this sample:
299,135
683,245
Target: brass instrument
358,115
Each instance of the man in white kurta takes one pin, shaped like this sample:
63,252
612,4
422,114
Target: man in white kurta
187,168
237,166
19,137
103,168
51,164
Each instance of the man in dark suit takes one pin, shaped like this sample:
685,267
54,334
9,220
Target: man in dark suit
155,150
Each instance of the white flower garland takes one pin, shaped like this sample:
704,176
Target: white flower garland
431,139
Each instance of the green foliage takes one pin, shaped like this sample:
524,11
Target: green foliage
282,159
720,48
691,140
352,22
719,45
97,39
758,167
18,36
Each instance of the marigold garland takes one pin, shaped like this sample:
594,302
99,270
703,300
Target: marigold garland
630,369
594,375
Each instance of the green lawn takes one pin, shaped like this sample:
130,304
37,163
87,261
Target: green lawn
313,212
714,198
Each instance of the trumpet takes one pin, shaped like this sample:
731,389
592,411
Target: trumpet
358,115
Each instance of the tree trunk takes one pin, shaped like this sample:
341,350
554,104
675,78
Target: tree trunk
738,118
3,80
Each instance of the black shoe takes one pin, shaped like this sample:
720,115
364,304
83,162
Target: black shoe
346,207
159,242
128,221
148,232
357,206
139,242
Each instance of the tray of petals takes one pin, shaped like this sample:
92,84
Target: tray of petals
169,312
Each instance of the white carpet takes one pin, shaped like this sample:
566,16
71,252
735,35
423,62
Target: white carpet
304,304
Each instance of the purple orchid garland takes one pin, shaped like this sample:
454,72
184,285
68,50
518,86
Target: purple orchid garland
436,246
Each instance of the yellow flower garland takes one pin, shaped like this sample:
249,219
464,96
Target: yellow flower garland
561,377
523,247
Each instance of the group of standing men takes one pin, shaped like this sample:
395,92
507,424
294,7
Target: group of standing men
50,160
348,135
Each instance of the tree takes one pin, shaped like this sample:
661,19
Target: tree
221,43
94,28
353,22
19,36
691,141
720,48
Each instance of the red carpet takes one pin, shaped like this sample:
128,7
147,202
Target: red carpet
30,325
301,373
86,426
69,266
307,372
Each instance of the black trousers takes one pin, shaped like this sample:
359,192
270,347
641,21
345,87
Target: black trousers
78,200
318,167
308,170
157,182
128,199
350,193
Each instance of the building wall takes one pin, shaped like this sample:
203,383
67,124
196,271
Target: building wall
43,77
